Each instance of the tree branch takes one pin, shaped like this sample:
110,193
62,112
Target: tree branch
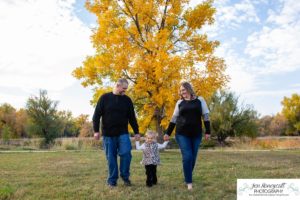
163,20
135,20
156,23
137,24
138,43
128,77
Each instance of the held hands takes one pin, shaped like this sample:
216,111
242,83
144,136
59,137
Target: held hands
137,137
166,137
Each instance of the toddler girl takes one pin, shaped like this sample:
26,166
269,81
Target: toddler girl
150,156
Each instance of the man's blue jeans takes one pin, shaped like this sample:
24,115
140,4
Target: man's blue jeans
189,149
113,146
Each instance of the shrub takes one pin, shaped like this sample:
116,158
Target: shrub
6,192
208,144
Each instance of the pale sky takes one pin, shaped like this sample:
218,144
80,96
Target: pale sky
42,41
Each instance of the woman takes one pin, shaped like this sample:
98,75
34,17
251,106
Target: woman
188,112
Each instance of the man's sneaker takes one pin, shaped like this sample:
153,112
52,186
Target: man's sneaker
127,183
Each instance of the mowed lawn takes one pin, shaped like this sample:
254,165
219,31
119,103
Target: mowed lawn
82,174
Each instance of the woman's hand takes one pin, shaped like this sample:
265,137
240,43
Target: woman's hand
207,136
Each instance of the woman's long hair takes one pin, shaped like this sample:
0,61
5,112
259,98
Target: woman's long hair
189,89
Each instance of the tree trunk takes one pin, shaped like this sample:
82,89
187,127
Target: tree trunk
159,129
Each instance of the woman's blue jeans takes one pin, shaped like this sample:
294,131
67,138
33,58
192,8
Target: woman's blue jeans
189,149
113,146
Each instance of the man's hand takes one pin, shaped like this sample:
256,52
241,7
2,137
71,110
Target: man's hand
137,137
96,136
207,136
166,137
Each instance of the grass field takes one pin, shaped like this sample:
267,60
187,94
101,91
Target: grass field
82,174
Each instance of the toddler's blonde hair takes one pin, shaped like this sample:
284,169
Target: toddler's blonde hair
151,133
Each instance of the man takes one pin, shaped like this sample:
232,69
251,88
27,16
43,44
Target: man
116,110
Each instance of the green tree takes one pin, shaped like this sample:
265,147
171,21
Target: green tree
8,119
68,124
228,119
43,115
291,110
6,133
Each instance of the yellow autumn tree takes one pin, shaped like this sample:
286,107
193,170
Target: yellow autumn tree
154,44
291,110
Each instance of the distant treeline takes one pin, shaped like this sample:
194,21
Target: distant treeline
40,118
